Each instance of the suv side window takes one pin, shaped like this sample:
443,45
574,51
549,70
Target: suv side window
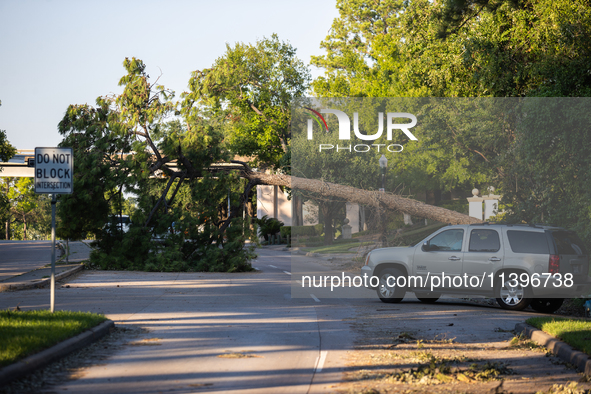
528,242
482,240
450,240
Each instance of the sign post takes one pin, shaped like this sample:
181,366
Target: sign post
52,285
54,174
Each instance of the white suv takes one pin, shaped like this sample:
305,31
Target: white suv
519,265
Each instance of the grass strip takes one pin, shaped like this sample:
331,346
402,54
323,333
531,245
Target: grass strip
338,248
24,333
409,237
575,332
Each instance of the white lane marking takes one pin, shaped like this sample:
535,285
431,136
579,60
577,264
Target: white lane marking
256,268
314,297
299,281
321,361
288,273
272,266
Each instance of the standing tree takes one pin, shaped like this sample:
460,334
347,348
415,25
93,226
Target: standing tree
131,143
7,151
252,87
24,202
453,48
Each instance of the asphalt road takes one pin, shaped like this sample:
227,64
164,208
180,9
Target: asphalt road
244,333
18,257
225,332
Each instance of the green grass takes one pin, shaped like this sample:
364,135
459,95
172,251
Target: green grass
576,333
337,248
412,236
25,333
407,237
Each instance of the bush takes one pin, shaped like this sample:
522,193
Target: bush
269,226
286,234
138,251
306,231
285,231
460,206
319,228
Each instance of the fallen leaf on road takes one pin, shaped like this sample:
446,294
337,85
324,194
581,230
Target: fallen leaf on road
463,378
239,355
147,342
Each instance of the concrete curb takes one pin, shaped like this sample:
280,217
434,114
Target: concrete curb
579,359
41,359
40,283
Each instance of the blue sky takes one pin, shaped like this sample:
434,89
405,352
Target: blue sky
56,52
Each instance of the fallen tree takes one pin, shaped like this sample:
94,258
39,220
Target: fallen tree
183,176
365,197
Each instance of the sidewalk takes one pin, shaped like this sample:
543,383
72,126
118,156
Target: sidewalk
79,251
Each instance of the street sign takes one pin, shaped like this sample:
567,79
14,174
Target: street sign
54,171
54,174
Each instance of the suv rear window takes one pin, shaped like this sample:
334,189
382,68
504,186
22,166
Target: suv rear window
568,243
528,242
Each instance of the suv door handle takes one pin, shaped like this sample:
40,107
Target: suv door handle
454,258
494,259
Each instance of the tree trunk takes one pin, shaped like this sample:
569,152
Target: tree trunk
327,215
364,197
8,213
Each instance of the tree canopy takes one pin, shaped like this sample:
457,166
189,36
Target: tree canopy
477,48
7,151
492,54
141,142
252,87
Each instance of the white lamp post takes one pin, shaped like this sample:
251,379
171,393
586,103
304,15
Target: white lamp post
383,166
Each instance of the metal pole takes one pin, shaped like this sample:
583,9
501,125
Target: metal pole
52,290
382,210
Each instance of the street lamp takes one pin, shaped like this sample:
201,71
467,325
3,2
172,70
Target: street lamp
383,166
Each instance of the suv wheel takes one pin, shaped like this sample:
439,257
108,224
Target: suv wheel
428,297
546,305
387,293
511,295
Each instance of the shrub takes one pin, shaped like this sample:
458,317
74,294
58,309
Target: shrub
305,231
269,226
286,233
319,228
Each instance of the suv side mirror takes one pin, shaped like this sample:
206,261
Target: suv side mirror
427,247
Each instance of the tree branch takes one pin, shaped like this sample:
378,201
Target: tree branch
160,200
